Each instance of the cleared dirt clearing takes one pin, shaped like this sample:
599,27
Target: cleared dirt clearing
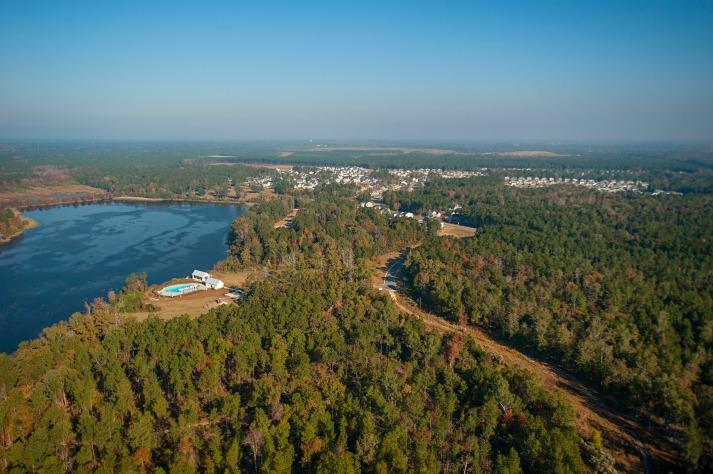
456,230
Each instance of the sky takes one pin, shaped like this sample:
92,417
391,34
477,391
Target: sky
447,70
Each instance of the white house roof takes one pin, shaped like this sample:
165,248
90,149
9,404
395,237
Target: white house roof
213,281
200,274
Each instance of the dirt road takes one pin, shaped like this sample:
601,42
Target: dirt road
287,220
635,447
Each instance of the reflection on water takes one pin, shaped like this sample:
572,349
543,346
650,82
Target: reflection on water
81,252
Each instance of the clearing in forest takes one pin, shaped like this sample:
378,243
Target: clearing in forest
456,230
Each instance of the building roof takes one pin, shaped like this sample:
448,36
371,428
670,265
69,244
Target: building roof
213,281
200,274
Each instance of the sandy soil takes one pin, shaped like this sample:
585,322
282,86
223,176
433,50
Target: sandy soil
456,230
382,263
287,220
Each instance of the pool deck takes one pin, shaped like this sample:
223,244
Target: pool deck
193,304
187,291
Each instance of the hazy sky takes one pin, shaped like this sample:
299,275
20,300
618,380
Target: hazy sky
619,70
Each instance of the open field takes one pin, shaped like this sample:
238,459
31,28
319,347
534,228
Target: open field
272,166
388,149
249,197
528,154
456,230
51,194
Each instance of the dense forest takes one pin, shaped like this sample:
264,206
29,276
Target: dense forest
316,371
153,170
18,160
618,287
673,159
326,228
312,372
159,179
11,223
164,169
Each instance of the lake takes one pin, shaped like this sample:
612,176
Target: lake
81,252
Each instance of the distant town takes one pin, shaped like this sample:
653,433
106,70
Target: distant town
377,181
605,186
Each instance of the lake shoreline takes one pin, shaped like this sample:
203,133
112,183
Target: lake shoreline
28,223
131,199
108,240
32,224
223,202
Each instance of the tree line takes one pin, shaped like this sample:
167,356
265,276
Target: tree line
327,228
312,372
617,287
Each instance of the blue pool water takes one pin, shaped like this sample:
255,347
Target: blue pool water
79,253
178,288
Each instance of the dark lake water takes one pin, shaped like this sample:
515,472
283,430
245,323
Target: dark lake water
79,253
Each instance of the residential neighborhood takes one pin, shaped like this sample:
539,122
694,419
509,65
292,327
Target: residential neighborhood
375,182
607,186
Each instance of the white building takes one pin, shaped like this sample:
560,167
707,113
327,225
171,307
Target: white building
214,283
200,276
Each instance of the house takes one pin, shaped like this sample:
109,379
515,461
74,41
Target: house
200,276
214,283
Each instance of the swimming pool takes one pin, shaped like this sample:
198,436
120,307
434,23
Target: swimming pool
180,289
